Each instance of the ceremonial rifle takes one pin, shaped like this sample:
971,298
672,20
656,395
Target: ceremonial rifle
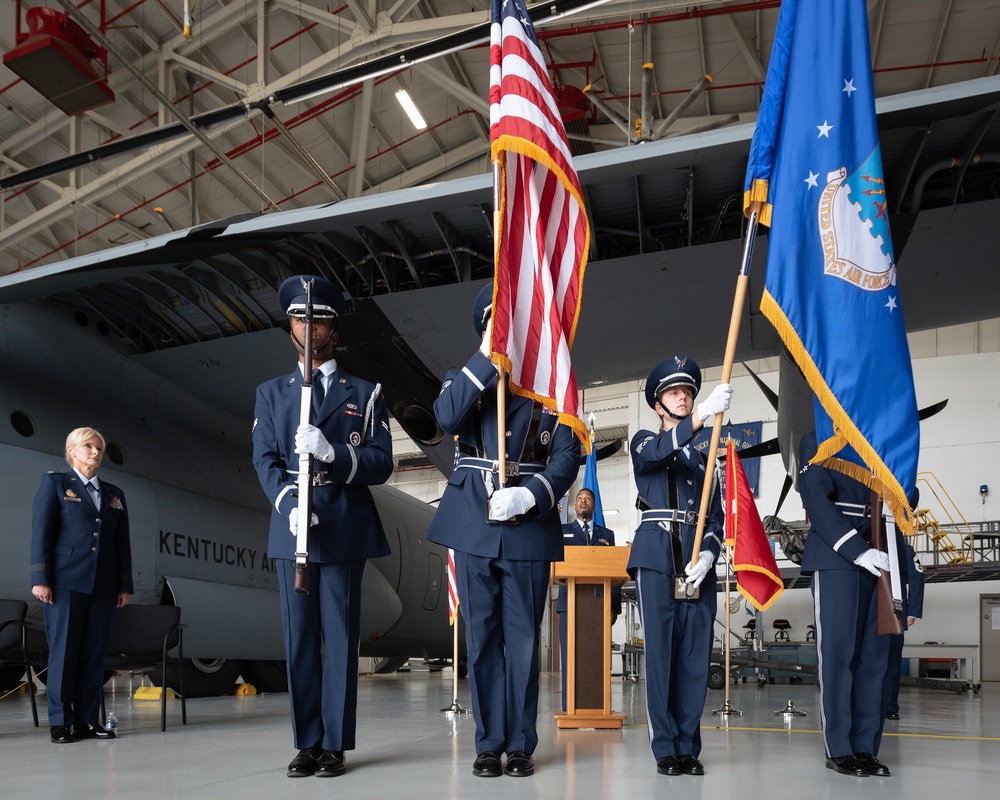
305,475
890,610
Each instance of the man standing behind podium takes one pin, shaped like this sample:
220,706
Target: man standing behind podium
585,531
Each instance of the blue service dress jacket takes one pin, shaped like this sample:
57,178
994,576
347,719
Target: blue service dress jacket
573,536
465,408
654,456
354,420
75,546
839,510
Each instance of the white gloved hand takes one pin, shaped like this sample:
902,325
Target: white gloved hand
717,401
293,521
310,439
697,573
484,348
507,503
873,560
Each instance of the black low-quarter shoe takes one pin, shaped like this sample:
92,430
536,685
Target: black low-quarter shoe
487,765
873,765
59,734
691,765
92,732
847,765
519,765
304,764
331,764
668,765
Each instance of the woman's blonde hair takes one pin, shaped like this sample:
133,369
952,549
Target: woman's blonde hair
78,436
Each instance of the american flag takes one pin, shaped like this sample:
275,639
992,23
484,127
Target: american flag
452,589
542,235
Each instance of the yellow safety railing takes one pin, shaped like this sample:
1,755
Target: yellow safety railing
938,538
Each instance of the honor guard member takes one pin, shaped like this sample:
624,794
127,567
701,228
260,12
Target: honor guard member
676,601
853,657
502,562
913,609
583,532
352,448
81,570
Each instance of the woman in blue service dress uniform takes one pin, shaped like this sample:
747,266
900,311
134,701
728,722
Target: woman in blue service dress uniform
669,476
81,570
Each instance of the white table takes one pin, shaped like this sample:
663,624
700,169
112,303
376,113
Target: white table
964,656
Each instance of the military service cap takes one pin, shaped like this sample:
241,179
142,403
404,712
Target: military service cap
673,371
327,300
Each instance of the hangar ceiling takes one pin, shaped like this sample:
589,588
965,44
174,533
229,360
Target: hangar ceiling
355,140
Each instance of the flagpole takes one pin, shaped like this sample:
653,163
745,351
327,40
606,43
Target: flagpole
501,373
742,282
727,707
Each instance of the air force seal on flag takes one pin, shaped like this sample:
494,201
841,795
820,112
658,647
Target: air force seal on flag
854,227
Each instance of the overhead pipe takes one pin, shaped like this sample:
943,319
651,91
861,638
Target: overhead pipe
588,91
989,157
710,125
687,100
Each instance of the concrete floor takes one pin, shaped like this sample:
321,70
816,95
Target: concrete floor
945,745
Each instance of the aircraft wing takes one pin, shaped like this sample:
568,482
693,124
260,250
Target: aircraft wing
199,306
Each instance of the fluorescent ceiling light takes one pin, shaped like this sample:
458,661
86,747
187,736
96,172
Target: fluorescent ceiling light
411,109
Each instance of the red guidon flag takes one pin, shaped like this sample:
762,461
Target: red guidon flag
757,576
542,235
452,589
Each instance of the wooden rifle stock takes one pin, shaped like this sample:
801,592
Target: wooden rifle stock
889,618
304,480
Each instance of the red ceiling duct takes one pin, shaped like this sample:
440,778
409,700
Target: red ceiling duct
60,61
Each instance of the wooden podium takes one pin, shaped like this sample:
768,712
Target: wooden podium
588,646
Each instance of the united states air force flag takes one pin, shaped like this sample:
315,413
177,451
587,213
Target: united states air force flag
831,289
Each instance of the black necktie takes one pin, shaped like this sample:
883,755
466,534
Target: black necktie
586,531
94,495
317,391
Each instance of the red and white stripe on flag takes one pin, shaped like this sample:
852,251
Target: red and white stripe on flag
542,235
452,589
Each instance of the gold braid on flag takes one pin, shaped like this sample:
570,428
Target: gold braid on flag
758,194
879,477
508,143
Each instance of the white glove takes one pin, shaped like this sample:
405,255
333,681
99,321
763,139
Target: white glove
697,573
717,402
507,503
873,560
293,521
310,439
484,348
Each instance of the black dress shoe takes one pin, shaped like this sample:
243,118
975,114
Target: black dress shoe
691,765
92,732
668,765
331,764
519,765
872,765
487,765
60,734
304,764
892,715
847,765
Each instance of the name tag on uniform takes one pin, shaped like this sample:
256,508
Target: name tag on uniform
71,496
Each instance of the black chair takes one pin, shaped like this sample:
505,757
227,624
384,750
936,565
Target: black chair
14,644
751,627
810,633
141,639
781,627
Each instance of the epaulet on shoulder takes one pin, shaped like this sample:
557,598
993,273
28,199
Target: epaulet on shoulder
51,472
